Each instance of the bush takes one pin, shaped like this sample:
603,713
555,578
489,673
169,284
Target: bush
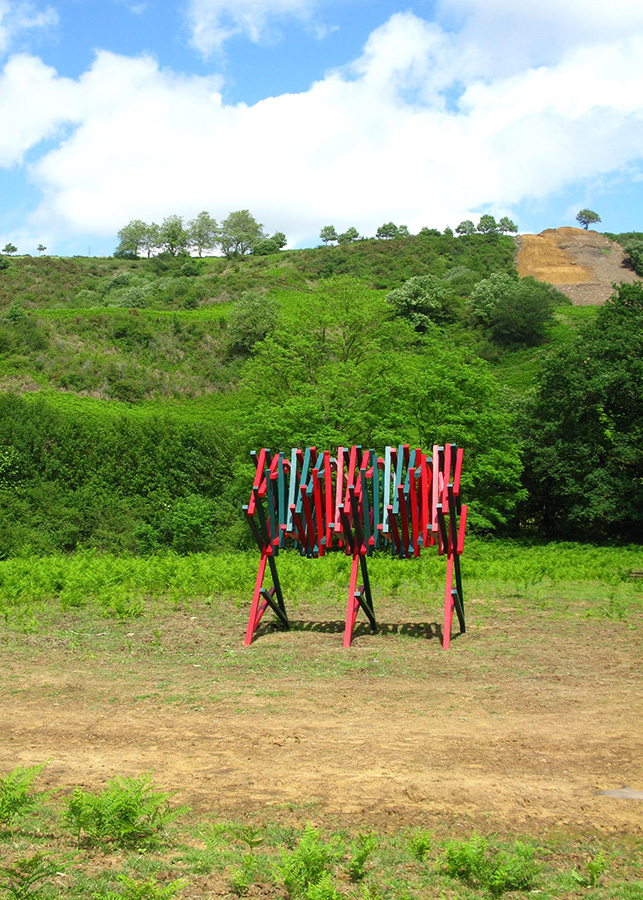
252,318
475,864
17,796
129,812
307,864
424,301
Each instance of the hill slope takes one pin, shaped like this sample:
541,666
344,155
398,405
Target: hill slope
581,264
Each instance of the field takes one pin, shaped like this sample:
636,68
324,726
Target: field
116,666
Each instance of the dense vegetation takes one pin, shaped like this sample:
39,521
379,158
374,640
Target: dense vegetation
134,388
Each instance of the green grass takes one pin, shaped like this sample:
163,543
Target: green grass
203,855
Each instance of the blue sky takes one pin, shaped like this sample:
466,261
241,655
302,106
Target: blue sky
316,112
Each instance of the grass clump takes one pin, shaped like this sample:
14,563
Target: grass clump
420,843
142,890
17,794
474,863
129,812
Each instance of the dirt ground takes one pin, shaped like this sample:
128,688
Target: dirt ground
517,728
582,264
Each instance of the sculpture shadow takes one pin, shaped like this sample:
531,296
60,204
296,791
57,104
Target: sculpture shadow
426,631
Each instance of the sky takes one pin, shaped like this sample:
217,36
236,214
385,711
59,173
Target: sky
316,112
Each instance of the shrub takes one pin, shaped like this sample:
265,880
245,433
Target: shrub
128,812
475,864
17,795
307,863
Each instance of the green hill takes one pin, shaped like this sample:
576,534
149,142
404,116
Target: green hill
177,367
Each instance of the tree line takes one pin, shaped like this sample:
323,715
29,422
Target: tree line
236,236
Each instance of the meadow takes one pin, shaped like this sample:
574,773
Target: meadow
172,761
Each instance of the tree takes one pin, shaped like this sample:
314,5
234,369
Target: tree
387,231
328,234
587,217
349,236
516,311
240,233
131,238
173,235
584,429
203,232
487,225
152,239
505,225
9,249
251,319
424,301
41,248
403,231
466,227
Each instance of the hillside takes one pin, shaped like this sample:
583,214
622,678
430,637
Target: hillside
584,265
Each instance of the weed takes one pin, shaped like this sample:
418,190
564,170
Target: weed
476,865
420,843
26,877
17,796
361,849
244,875
307,863
129,812
143,890
248,834
596,868
324,889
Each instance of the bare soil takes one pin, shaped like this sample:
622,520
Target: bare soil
584,265
517,728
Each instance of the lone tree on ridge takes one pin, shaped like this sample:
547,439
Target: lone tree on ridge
587,217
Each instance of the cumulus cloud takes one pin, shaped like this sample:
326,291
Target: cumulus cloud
380,139
18,17
213,22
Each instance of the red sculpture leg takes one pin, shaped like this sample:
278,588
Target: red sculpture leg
353,603
257,609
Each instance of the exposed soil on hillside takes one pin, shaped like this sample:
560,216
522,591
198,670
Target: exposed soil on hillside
582,264
519,727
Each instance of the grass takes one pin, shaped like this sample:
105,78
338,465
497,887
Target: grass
180,650
203,858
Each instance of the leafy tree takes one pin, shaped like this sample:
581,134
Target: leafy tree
587,217
173,235
584,431
448,231
41,248
403,231
270,245
203,232
506,225
9,249
252,318
424,301
487,225
151,239
387,231
515,310
349,236
131,238
466,227
240,233
328,234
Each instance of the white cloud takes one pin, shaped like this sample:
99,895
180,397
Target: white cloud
374,142
213,22
18,17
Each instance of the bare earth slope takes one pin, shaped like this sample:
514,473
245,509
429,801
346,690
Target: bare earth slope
582,264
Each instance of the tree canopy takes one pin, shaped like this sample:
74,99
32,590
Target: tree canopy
587,217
